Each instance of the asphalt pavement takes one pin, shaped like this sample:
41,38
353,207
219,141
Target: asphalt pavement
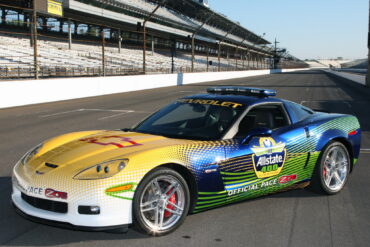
294,218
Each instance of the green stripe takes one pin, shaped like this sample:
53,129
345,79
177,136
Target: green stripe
211,197
236,173
242,177
211,193
212,201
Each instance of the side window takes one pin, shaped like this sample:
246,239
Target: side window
300,112
264,116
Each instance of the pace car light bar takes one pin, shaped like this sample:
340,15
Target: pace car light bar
246,91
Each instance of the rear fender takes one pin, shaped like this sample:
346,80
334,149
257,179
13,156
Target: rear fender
328,136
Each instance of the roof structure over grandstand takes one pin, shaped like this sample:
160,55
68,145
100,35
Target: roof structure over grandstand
204,14
185,15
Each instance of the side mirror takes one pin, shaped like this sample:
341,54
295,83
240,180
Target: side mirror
258,132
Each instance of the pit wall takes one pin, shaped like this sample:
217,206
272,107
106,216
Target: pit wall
27,92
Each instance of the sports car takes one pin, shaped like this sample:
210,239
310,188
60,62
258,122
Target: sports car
198,153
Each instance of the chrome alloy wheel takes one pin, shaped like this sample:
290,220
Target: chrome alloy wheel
162,202
335,168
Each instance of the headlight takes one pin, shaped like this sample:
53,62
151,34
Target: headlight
30,154
102,170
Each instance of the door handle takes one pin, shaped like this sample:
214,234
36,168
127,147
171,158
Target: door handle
307,131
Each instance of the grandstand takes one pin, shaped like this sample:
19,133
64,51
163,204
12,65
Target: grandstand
333,63
109,37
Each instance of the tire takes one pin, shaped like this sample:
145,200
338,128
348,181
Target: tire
161,202
330,176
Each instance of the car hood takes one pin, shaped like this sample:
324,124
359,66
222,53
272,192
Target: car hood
89,150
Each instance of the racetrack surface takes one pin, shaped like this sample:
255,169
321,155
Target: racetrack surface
295,218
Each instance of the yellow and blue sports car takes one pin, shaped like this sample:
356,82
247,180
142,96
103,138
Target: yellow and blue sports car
200,152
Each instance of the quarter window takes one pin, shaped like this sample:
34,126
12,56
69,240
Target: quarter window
263,116
300,112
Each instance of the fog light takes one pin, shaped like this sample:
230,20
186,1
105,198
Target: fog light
88,209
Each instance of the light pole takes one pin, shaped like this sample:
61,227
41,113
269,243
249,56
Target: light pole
35,51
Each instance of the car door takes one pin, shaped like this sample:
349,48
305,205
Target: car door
264,164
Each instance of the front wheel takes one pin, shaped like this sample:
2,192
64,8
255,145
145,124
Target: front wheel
331,173
161,202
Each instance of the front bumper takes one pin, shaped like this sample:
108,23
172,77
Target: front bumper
68,225
114,212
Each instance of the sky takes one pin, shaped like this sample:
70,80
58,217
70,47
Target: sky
309,29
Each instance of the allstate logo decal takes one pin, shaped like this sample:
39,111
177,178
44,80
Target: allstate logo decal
268,158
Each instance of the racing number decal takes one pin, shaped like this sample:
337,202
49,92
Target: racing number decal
268,158
100,141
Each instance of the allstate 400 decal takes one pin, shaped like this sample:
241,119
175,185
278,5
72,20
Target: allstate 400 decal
268,158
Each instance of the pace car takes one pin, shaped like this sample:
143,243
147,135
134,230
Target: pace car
198,153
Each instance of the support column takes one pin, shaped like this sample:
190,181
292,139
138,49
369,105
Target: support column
69,35
25,16
119,41
368,45
44,24
35,51
61,24
173,54
3,16
228,58
207,59
243,60
103,51
75,28
144,49
219,56
152,45
192,53
31,29
88,29
249,58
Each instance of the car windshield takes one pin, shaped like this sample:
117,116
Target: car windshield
195,119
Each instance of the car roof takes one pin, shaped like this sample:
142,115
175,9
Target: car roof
241,99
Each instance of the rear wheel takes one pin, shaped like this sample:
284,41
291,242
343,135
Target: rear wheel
161,202
331,173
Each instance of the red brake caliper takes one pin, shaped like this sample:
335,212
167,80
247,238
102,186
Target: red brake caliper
169,206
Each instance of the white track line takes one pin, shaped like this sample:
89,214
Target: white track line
106,110
115,115
61,113
120,112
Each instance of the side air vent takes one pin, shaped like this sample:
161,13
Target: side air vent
51,165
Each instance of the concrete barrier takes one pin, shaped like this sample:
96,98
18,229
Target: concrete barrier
350,76
26,92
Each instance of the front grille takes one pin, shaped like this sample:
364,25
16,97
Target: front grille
53,206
